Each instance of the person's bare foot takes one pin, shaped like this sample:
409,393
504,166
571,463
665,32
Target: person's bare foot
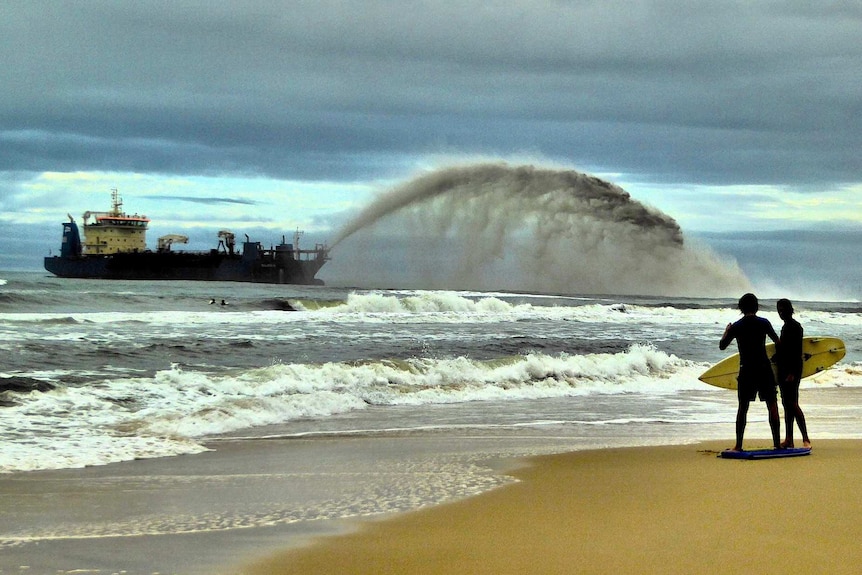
734,448
807,444
787,444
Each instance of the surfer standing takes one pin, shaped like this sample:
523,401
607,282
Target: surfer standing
790,372
755,371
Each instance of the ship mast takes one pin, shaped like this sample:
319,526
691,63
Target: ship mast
296,251
116,202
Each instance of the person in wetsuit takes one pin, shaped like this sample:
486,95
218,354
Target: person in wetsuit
790,372
755,371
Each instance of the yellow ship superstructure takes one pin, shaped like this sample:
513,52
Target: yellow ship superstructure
114,232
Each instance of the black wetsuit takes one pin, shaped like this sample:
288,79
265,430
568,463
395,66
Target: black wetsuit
790,360
755,371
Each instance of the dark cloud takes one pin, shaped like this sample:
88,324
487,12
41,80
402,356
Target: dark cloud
674,91
202,200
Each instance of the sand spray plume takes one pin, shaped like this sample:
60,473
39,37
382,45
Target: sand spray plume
537,229
552,189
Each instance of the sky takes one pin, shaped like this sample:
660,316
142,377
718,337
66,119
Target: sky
740,120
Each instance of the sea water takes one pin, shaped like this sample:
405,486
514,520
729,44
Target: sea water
394,398
95,372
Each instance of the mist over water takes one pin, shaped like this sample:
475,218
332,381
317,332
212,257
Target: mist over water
501,227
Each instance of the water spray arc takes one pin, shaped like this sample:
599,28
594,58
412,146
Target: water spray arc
541,229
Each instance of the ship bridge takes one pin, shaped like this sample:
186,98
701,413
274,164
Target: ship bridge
115,231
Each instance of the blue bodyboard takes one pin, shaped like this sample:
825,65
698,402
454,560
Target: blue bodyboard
766,453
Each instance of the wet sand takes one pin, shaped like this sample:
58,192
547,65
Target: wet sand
676,509
208,513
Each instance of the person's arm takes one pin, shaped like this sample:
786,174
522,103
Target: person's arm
795,336
771,333
779,357
779,346
797,367
726,338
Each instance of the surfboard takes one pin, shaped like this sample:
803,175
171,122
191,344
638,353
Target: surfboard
818,353
766,453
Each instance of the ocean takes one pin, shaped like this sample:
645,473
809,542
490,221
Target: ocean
393,399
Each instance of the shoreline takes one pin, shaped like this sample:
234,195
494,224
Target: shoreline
666,509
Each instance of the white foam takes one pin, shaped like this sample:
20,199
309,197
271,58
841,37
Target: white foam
417,306
452,306
171,413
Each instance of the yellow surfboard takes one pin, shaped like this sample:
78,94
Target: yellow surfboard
818,353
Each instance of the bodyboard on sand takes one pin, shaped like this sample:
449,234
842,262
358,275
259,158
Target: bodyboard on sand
818,353
766,453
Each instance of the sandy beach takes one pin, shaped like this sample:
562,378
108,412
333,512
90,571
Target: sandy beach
676,509
665,509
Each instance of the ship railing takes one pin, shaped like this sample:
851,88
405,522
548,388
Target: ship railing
319,252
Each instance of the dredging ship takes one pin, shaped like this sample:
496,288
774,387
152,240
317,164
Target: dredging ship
114,246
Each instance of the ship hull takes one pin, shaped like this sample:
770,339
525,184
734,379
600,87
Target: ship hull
212,266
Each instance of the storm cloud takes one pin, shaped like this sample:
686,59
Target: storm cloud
673,91
196,200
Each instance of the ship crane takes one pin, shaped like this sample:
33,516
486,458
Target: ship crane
165,242
226,241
